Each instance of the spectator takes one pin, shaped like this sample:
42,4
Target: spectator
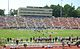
8,39
53,39
69,38
77,38
17,42
69,44
62,44
78,44
4,47
21,40
26,39
25,45
30,39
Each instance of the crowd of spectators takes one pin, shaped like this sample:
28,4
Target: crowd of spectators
40,22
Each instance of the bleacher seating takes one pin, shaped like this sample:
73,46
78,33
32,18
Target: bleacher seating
40,22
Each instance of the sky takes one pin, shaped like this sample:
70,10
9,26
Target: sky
15,4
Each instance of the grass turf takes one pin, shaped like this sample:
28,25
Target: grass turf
13,33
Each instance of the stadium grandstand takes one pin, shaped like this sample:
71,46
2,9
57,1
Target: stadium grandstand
38,18
37,22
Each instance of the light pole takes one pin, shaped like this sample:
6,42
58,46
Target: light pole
8,7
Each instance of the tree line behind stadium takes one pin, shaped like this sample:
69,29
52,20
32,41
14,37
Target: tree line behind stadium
67,11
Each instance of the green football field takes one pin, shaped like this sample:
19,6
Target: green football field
14,33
